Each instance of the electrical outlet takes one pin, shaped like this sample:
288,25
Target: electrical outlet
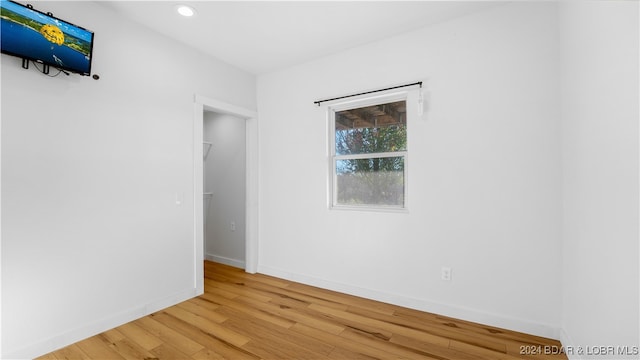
446,273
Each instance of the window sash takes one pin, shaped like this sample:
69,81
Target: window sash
371,155
334,188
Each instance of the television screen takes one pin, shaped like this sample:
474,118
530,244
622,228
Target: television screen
33,35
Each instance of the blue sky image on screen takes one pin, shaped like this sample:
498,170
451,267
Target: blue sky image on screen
21,36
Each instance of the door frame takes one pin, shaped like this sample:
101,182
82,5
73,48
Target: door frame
202,104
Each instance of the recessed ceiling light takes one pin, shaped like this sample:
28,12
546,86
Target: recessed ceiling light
185,10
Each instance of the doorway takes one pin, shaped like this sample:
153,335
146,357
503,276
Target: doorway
203,106
224,187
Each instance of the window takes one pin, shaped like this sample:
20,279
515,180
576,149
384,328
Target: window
369,154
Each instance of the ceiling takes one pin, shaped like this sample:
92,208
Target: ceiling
264,36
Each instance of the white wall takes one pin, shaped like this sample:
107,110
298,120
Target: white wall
91,233
484,173
225,178
600,176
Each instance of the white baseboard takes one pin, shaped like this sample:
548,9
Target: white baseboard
97,327
567,343
225,260
468,314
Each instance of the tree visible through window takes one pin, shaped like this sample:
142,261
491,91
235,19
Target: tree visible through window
370,155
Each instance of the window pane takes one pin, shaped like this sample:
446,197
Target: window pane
375,181
372,129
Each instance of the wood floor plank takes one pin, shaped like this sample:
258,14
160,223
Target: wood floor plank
238,275
271,293
249,310
210,287
207,312
437,330
375,342
342,354
240,290
318,322
169,335
73,352
208,326
376,323
251,316
434,350
286,348
346,299
424,331
363,351
480,351
207,354
267,350
51,356
129,350
207,339
202,303
167,352
112,335
272,333
140,336
97,348
309,299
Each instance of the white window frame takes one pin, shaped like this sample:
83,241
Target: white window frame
333,158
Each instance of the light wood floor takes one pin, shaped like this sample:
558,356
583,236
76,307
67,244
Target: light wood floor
244,316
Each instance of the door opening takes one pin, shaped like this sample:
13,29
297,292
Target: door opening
224,184
203,106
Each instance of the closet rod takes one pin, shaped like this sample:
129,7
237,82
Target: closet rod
368,92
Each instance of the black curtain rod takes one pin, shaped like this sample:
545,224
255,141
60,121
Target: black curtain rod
368,92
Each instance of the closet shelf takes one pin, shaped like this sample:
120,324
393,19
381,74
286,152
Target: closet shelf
208,145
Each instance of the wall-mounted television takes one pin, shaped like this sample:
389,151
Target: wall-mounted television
36,36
